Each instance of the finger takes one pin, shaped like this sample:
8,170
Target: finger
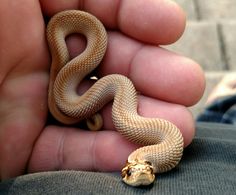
63,148
155,72
153,108
158,22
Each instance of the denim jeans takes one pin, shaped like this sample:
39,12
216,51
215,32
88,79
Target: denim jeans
223,110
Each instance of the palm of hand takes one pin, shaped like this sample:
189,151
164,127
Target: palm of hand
27,143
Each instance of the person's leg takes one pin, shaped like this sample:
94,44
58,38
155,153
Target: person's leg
226,87
221,103
208,167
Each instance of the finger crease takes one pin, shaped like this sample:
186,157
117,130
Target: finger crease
81,4
94,153
61,153
130,64
117,11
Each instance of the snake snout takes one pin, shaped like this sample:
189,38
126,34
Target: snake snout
138,173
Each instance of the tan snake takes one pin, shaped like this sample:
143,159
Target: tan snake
162,141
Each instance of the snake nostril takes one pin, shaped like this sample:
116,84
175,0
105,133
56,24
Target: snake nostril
149,163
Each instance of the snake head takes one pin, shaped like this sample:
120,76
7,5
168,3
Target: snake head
138,173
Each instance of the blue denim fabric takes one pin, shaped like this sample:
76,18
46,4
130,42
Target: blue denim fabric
222,110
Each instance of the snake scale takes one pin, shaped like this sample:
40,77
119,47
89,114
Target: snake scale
162,141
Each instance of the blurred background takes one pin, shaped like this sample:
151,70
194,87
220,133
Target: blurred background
209,39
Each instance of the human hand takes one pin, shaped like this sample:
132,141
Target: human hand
167,83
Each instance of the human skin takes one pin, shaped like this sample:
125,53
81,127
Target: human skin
167,83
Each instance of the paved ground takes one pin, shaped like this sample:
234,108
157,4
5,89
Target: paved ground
209,39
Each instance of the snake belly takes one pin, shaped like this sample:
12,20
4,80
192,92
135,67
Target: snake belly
162,141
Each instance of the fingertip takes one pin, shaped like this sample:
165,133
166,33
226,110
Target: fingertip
187,128
156,22
197,81
168,74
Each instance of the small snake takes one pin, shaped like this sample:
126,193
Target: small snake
162,141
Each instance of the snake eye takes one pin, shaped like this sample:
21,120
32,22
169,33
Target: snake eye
129,173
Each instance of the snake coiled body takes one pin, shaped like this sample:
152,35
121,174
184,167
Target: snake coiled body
162,141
